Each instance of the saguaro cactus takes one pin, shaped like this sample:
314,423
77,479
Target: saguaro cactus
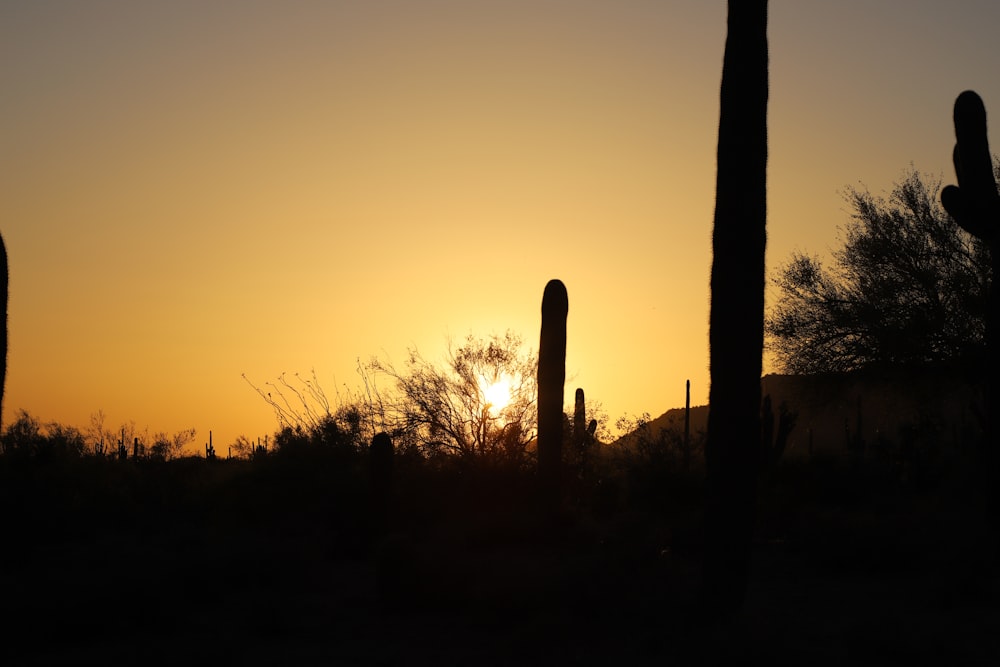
4,277
551,380
736,333
579,420
975,206
583,432
209,448
380,458
773,440
686,443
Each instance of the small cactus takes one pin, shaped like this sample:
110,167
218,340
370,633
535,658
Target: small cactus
380,464
686,442
579,420
774,438
583,432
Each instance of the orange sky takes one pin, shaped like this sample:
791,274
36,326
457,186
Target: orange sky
190,191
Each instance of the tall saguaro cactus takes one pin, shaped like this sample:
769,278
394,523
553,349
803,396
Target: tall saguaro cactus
4,277
551,380
736,335
975,206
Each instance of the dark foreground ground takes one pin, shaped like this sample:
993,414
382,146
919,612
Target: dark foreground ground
268,566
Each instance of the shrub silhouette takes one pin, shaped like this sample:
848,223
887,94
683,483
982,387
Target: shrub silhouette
444,412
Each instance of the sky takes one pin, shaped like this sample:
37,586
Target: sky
192,191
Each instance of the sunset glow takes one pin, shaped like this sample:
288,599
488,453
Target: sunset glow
497,394
192,191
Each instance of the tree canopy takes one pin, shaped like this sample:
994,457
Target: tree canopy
908,287
458,409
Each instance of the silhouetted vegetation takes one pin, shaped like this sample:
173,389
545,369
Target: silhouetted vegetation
449,411
322,538
26,437
909,287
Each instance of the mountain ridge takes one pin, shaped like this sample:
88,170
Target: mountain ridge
836,409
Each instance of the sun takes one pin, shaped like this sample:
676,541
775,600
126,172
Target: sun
496,394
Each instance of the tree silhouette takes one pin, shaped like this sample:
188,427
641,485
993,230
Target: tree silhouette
908,287
445,410
736,333
166,447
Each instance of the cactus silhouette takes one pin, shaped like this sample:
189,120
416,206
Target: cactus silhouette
975,205
4,276
380,464
580,421
686,442
551,380
774,437
583,432
736,330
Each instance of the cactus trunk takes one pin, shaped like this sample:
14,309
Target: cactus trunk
736,333
579,420
687,425
975,206
4,276
551,381
380,464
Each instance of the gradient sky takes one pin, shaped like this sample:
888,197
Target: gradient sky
190,191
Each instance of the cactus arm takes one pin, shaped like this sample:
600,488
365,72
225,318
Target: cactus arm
974,203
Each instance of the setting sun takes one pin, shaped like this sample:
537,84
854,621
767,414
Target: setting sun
496,394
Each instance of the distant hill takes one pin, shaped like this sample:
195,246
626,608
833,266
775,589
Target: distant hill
930,405
673,420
